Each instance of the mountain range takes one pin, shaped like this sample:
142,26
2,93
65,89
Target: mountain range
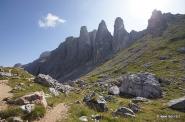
77,56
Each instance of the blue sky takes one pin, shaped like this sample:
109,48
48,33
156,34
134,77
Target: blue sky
29,27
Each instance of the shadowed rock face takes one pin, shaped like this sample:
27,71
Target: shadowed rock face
121,36
157,23
77,56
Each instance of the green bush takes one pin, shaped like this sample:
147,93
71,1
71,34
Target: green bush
10,112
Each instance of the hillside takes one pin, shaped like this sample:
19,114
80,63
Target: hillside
133,82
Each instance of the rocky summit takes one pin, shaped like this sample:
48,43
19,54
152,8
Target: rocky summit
81,54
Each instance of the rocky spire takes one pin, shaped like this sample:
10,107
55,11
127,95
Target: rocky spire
103,43
121,36
84,35
157,23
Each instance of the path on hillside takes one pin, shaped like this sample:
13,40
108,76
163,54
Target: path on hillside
4,93
59,112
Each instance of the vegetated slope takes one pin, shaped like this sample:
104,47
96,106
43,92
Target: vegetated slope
156,54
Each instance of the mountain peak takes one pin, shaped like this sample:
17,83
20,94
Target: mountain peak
118,23
83,30
102,25
157,23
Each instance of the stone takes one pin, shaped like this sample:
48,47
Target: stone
83,119
14,119
45,80
54,91
177,104
163,57
141,85
181,50
124,111
28,107
97,117
96,102
134,107
5,74
139,99
114,90
33,98
109,98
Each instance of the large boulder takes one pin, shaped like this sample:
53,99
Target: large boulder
141,85
33,98
45,80
177,104
124,111
96,102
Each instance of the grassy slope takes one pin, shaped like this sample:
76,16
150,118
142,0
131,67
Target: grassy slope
148,50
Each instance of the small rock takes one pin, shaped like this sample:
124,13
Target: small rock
96,102
177,104
97,117
163,57
28,107
54,91
83,119
124,111
114,90
139,99
181,50
134,107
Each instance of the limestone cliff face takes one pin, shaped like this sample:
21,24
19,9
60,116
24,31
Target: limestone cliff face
157,23
76,56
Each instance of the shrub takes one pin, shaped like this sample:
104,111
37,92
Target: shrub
11,112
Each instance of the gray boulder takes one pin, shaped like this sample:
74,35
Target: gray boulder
177,104
114,90
181,50
141,85
96,102
45,80
124,111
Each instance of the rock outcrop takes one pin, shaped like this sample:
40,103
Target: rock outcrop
157,23
141,85
96,102
177,104
33,98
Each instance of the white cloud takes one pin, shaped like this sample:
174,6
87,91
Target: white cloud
50,21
